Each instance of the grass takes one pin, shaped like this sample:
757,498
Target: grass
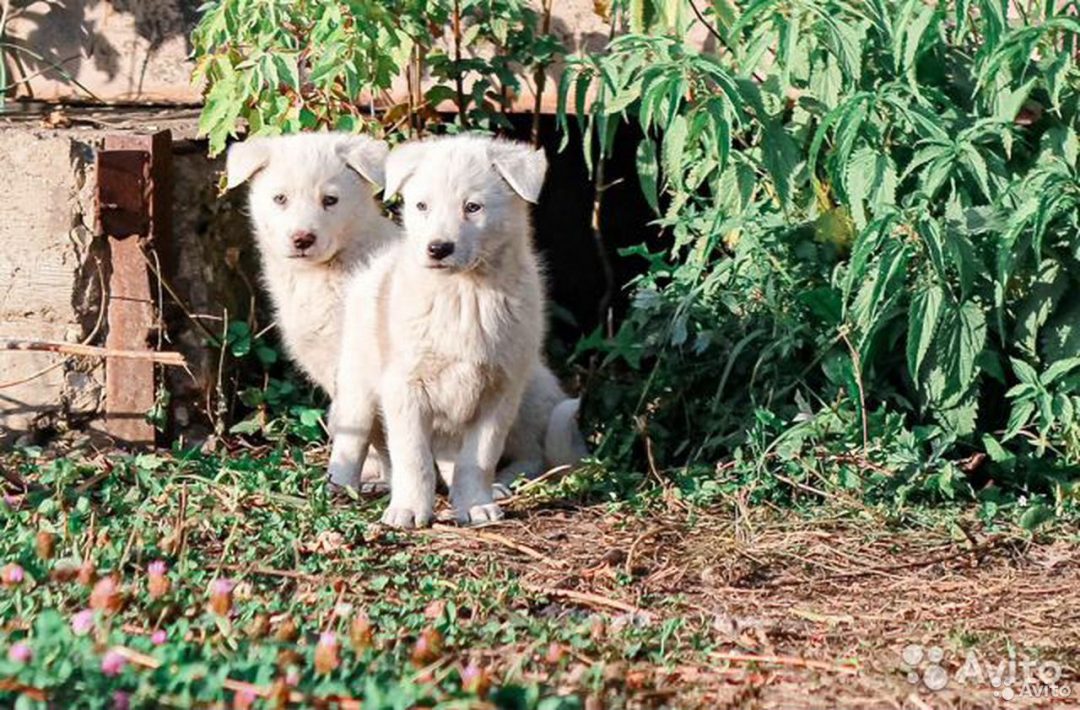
580,599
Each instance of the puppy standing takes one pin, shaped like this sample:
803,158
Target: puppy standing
443,330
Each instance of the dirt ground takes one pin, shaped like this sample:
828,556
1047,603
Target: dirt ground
850,610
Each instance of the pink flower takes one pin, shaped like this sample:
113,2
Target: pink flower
326,653
20,653
221,585
475,680
112,664
12,575
244,699
157,584
159,637
107,596
12,502
292,676
221,596
121,700
82,622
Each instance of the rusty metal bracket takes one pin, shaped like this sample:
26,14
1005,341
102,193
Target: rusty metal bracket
123,181
134,203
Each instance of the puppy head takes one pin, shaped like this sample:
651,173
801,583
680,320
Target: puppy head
310,195
464,198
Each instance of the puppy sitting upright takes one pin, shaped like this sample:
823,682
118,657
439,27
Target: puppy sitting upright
443,330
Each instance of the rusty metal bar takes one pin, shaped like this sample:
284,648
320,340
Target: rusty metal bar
134,207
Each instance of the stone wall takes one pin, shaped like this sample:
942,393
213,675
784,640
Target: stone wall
53,265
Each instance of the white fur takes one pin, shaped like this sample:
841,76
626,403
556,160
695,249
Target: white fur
307,287
308,292
445,344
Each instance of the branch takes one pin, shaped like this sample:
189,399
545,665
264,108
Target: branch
162,358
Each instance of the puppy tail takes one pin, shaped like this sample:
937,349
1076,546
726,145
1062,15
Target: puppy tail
564,444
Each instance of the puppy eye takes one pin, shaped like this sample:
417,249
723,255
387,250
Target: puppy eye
329,201
421,206
280,199
473,207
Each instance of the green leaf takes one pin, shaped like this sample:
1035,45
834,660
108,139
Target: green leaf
1059,368
674,144
647,172
781,158
1035,516
922,323
1024,372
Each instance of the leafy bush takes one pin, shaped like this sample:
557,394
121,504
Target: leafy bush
872,207
283,67
870,211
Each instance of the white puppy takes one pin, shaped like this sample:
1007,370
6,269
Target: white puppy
443,329
315,217
316,220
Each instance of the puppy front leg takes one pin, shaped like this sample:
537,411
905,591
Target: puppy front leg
353,417
412,474
471,491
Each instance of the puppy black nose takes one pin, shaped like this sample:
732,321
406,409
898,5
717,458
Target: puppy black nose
440,250
303,240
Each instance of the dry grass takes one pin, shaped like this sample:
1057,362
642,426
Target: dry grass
802,612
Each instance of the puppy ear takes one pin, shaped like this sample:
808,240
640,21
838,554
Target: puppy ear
521,166
366,156
402,163
244,160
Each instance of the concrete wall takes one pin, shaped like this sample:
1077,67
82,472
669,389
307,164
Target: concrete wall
52,264
51,268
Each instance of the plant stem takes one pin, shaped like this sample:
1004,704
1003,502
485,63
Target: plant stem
540,77
459,80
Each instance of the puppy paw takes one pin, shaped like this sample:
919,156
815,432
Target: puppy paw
339,476
484,513
405,518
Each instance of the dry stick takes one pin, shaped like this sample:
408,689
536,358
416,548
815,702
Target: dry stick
163,358
720,38
546,476
585,597
10,685
501,540
783,661
540,77
886,570
267,572
641,538
19,482
164,283
459,79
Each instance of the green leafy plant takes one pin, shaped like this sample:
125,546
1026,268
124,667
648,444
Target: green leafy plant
282,67
870,208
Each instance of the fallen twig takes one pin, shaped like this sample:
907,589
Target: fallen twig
10,685
629,566
543,478
473,534
793,661
586,597
162,358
